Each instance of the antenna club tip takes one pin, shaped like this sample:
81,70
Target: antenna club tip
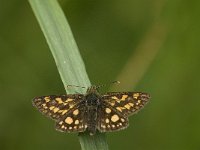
118,82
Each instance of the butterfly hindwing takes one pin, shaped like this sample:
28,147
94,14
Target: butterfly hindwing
110,120
126,103
73,121
56,107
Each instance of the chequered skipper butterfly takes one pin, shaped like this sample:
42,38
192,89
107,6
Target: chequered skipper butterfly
91,111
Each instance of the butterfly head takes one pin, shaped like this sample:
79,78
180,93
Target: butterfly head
93,89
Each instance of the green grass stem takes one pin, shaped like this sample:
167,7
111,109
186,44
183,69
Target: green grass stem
67,57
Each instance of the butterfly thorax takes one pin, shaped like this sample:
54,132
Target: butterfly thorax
92,101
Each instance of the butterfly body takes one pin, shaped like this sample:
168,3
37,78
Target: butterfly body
91,111
92,104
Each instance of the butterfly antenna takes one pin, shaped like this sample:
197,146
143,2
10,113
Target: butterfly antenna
114,82
68,86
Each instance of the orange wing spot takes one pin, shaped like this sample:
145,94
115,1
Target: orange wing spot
69,120
69,100
59,100
119,101
64,112
114,118
61,122
135,95
127,106
122,120
60,111
43,105
119,108
131,104
76,112
77,122
108,110
47,99
138,102
52,107
112,103
65,104
55,110
124,97
115,97
71,105
107,120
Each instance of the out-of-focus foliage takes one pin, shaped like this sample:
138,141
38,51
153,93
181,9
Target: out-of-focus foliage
112,36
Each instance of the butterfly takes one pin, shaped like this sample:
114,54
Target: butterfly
91,111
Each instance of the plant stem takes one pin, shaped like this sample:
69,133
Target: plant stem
67,57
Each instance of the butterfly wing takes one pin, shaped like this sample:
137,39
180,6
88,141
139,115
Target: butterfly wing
110,120
126,103
73,121
56,107
67,110
116,107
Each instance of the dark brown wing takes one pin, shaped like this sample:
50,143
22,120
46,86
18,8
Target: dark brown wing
126,103
110,120
73,121
56,107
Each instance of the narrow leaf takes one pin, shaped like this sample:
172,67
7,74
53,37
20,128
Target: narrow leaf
67,57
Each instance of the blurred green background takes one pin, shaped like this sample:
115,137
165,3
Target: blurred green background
150,46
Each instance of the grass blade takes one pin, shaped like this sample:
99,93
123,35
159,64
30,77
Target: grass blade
67,57
61,42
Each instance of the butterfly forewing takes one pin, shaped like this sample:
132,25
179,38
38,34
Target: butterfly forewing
110,120
126,103
56,107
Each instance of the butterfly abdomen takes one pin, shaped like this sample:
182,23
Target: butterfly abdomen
92,103
91,120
